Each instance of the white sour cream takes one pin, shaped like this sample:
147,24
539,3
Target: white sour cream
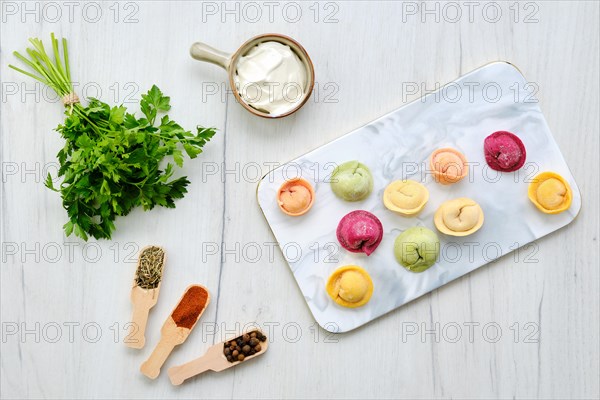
271,78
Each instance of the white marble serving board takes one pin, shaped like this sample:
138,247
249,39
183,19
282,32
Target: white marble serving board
396,146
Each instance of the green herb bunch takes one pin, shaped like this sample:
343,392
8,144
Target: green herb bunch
111,161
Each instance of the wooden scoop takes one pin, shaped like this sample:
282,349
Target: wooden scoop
213,360
143,300
177,327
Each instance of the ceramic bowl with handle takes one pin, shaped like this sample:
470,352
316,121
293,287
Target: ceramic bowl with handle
203,52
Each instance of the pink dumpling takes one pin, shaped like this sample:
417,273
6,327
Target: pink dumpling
504,151
360,232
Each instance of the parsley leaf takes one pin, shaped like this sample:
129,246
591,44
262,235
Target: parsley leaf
111,162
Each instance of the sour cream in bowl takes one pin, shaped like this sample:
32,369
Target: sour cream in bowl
271,78
271,75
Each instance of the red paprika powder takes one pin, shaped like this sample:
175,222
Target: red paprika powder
190,307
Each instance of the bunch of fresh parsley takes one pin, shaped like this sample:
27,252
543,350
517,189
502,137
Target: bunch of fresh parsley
111,161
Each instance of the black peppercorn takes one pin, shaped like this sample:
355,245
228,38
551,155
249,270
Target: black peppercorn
243,346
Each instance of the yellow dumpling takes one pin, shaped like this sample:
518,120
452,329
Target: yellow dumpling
550,193
458,217
350,286
405,197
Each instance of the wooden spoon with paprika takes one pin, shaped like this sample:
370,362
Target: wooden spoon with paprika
177,327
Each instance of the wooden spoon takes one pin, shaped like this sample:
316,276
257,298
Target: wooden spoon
213,360
143,300
172,334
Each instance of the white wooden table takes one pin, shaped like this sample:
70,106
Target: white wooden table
524,326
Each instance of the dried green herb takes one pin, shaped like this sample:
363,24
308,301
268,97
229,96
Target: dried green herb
150,267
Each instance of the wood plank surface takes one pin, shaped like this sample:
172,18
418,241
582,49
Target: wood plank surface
525,326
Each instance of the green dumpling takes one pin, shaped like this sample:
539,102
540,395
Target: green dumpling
417,248
352,181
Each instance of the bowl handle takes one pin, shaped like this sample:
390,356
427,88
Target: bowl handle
204,52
